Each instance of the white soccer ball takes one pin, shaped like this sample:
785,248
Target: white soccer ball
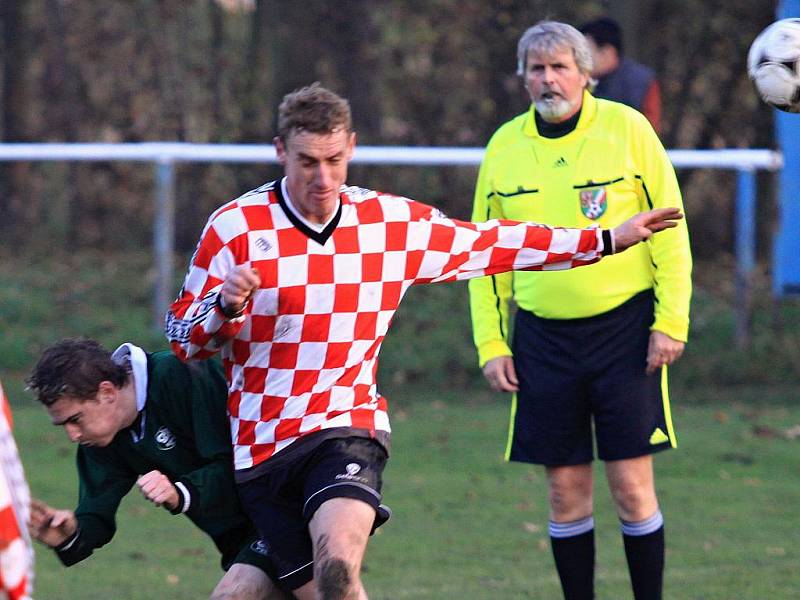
773,64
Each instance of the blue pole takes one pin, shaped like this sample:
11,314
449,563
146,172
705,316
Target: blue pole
786,251
745,252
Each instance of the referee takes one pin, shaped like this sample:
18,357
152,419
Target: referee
590,346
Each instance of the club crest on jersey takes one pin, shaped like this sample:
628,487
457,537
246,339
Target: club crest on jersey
165,439
593,202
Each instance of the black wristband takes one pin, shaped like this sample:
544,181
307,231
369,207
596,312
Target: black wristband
608,247
226,310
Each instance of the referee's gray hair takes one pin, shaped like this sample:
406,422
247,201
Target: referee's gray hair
548,37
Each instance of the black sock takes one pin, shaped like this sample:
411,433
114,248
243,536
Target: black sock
645,554
574,556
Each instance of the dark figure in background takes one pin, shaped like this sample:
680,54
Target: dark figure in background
619,78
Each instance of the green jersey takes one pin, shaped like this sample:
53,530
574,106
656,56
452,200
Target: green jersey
182,431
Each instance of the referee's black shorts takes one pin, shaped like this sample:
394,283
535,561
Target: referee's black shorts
576,373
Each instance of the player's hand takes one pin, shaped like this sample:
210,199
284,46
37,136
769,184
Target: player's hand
662,350
49,525
158,489
643,225
238,287
501,375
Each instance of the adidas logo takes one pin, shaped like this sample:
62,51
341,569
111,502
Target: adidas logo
658,437
561,162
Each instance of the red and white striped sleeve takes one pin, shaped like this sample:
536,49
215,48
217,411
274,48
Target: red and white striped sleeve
195,325
448,249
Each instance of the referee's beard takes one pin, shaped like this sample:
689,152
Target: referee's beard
554,109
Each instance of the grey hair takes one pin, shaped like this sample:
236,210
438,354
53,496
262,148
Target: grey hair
548,37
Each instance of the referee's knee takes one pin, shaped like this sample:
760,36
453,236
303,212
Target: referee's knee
635,503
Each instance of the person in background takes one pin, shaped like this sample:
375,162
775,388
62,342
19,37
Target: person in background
618,77
591,345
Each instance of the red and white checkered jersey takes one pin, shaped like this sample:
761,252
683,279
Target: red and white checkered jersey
304,355
16,552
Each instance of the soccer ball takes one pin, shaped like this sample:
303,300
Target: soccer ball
773,64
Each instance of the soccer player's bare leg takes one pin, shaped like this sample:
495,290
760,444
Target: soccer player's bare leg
570,489
633,487
340,529
571,528
306,592
246,582
642,524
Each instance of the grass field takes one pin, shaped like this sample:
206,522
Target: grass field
469,525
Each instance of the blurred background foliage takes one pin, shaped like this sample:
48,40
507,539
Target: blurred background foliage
433,72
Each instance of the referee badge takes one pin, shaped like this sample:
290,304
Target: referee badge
593,202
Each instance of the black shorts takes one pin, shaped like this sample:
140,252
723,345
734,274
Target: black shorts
282,501
256,553
577,372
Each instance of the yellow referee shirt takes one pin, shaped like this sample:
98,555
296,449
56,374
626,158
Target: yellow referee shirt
607,169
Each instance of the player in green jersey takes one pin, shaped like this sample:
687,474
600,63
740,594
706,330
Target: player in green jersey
151,421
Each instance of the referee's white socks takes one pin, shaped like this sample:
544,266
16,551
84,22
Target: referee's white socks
573,550
572,528
644,550
639,528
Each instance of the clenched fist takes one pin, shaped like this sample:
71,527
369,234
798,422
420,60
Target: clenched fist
158,489
238,288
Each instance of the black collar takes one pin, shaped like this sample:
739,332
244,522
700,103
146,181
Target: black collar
318,236
556,130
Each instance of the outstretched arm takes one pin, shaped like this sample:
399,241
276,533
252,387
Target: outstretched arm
642,226
447,249
51,526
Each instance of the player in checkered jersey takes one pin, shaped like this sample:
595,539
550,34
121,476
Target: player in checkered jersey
295,283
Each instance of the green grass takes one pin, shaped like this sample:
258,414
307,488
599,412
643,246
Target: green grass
469,525
466,524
